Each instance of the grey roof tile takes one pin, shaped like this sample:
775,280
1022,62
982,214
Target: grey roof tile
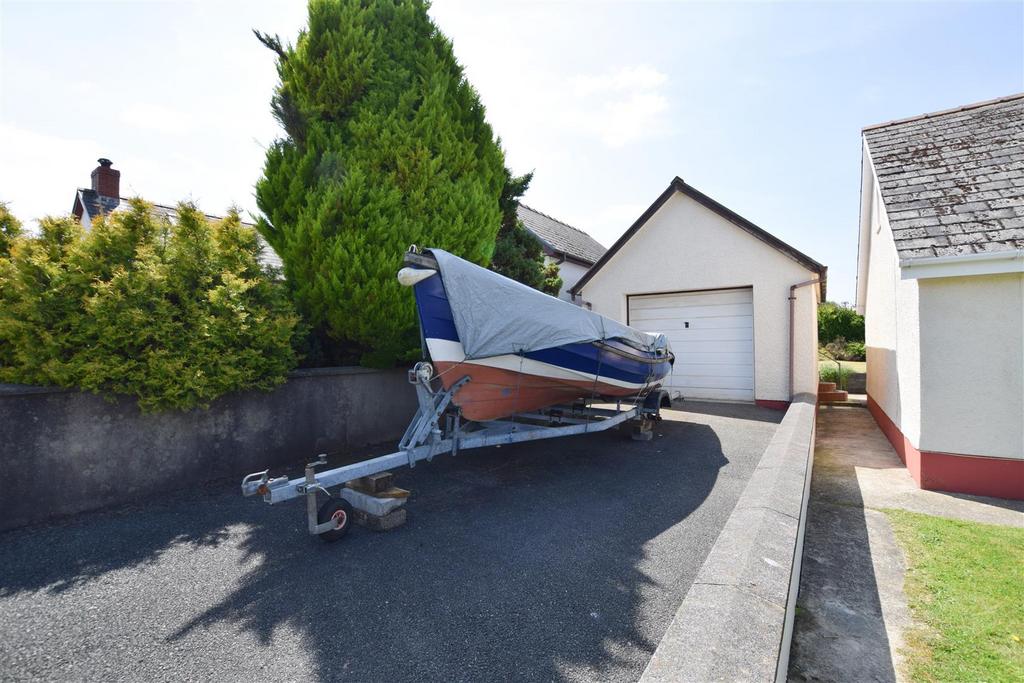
953,182
560,237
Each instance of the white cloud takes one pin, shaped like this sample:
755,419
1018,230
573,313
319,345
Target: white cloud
621,121
155,117
620,106
36,179
630,79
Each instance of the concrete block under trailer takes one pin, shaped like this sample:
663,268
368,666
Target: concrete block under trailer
433,430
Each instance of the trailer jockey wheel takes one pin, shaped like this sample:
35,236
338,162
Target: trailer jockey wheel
340,511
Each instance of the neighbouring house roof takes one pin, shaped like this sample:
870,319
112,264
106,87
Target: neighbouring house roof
560,239
678,185
952,182
95,204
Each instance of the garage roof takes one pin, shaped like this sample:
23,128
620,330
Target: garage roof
952,182
678,185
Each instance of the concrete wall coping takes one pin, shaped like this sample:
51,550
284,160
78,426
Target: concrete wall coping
25,389
735,623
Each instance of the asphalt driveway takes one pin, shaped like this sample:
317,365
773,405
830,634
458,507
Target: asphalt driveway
557,560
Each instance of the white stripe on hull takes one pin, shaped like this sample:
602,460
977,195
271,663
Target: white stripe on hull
452,351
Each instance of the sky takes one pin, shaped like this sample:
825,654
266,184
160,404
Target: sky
757,104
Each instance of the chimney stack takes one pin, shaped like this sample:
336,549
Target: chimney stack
105,180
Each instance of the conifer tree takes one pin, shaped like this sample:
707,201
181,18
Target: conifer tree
385,146
519,254
175,314
10,228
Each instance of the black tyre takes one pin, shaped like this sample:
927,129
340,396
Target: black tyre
339,510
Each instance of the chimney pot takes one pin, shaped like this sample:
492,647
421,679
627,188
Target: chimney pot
106,181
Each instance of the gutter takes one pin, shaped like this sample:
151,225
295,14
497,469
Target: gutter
792,326
984,263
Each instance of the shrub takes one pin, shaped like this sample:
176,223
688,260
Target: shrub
835,321
855,351
385,145
832,373
174,314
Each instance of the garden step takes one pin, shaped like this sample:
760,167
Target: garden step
831,396
826,387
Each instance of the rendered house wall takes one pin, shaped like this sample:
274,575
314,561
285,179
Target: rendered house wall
945,376
570,274
972,365
685,246
891,325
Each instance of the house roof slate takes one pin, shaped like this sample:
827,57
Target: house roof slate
952,182
561,238
96,204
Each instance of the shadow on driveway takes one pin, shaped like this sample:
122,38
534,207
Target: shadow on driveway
558,560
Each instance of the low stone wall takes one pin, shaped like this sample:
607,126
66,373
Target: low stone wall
64,452
736,621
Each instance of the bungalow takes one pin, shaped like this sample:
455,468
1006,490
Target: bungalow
572,249
941,283
738,304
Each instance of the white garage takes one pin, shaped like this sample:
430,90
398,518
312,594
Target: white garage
712,335
738,305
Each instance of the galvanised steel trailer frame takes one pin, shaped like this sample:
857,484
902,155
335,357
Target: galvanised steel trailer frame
436,429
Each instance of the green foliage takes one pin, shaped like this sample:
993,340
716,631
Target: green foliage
855,351
10,229
965,586
175,314
518,254
840,349
552,283
835,320
834,373
386,145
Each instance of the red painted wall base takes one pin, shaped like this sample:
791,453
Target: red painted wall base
974,474
774,405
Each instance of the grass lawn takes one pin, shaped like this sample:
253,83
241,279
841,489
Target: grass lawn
965,586
852,365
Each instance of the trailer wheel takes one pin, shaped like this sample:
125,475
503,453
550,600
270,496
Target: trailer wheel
339,510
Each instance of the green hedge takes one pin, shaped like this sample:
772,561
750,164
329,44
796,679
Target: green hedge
175,314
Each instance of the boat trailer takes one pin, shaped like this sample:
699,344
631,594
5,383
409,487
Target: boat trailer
438,427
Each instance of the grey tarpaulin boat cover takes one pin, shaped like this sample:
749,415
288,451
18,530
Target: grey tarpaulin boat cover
495,315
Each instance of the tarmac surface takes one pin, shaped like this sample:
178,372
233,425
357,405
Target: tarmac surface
555,560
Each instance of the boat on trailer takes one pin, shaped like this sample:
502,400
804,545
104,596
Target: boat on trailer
606,359
507,364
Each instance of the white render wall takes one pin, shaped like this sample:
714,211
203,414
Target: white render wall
891,329
570,274
945,355
972,365
685,246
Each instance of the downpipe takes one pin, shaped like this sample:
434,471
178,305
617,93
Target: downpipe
792,327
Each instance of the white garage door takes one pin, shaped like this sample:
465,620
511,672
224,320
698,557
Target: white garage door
712,336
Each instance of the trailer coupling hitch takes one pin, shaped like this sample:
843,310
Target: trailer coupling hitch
260,483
